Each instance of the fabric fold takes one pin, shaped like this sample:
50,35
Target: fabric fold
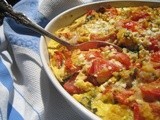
32,97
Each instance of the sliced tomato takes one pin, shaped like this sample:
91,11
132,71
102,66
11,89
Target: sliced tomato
137,113
130,25
151,91
135,16
105,73
70,67
96,66
68,64
58,56
137,64
155,109
90,55
97,37
154,44
112,11
70,87
156,65
111,36
122,96
123,59
67,53
155,57
102,69
107,90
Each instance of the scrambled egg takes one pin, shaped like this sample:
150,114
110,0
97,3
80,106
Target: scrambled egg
113,84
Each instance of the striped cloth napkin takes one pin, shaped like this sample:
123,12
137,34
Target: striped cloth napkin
26,92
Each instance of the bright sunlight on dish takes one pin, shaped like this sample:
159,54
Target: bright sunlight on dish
112,84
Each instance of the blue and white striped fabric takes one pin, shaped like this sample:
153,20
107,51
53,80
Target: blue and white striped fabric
26,92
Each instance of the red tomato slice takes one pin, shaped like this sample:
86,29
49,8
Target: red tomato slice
155,57
104,75
112,11
139,15
70,87
102,69
67,53
155,109
96,66
92,55
58,56
151,91
107,90
156,65
137,113
98,37
154,44
70,68
123,59
68,64
122,97
130,25
111,36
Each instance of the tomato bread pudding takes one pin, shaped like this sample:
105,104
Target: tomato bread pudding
113,84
